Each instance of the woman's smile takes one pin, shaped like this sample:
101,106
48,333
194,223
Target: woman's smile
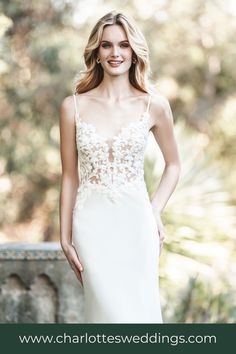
115,63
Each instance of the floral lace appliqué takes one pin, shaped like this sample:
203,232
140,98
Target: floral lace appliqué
108,167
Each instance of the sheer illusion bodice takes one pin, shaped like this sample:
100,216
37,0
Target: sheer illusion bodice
107,165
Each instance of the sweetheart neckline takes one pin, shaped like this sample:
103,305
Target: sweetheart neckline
115,137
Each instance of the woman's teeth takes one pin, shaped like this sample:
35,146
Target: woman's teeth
114,62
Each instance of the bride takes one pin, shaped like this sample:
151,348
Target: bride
110,232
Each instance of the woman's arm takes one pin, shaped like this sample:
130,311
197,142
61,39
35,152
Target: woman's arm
69,181
69,178
163,131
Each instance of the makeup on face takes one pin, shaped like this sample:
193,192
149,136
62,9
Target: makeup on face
118,55
115,51
114,63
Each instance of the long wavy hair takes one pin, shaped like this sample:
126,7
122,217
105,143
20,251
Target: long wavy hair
138,72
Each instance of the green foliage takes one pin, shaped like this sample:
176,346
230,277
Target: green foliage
198,303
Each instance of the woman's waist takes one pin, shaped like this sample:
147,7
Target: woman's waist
135,189
137,183
112,190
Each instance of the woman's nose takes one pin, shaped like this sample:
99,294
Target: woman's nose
115,51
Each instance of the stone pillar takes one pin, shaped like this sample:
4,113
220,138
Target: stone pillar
37,285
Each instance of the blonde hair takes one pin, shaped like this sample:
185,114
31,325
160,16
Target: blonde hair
138,72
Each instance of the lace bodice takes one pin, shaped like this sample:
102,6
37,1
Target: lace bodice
107,166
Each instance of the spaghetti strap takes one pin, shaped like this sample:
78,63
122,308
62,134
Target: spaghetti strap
149,100
76,111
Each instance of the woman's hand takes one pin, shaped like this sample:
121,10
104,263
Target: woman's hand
161,230
73,259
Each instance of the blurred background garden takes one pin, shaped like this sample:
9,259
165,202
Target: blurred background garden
193,56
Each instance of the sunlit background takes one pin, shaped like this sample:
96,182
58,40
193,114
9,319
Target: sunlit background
193,56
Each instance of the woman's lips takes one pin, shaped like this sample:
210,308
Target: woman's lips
115,63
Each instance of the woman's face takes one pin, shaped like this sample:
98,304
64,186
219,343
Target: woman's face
115,52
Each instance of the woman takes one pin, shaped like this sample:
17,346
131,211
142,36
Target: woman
111,234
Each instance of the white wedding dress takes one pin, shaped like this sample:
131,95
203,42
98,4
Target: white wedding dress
113,227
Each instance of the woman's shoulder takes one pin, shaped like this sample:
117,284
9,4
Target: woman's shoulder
160,106
67,102
70,100
159,101
67,109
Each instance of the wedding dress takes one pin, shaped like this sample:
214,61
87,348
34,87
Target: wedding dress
113,228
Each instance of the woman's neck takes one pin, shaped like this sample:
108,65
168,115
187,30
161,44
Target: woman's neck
115,87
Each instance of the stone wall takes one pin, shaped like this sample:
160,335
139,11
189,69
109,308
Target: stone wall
37,285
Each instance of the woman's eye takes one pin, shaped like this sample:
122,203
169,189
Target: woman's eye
123,45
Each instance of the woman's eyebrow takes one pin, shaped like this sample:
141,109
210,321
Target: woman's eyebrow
104,40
